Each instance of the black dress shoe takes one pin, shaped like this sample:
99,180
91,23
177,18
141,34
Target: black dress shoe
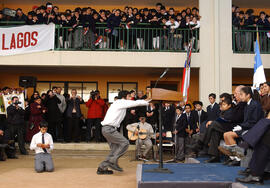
227,162
115,167
234,163
251,180
213,159
101,171
245,172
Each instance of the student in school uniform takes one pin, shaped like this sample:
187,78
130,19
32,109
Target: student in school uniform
180,133
42,143
199,115
213,110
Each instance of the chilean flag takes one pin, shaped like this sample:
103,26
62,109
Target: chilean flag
186,74
259,76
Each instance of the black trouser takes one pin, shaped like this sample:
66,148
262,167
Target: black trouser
9,152
73,128
55,129
212,136
18,130
260,159
97,124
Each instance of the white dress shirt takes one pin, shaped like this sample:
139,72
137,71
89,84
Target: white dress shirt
117,111
37,139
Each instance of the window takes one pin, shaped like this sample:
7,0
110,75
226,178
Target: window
83,88
115,87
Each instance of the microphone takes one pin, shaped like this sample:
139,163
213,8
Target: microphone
164,73
161,76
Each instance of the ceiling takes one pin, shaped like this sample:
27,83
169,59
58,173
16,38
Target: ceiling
252,3
93,70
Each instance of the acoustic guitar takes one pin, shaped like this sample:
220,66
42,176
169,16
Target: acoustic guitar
142,134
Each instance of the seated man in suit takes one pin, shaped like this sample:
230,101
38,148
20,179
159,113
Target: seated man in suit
260,158
213,110
147,133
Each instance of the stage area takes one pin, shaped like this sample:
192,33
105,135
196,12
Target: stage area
192,176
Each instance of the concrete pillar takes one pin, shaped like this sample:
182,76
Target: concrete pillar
215,44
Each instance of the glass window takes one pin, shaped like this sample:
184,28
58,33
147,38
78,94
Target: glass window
113,89
87,88
77,86
130,86
42,87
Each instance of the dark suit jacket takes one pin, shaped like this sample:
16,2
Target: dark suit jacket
252,114
255,134
154,118
266,138
238,111
213,113
195,118
181,125
168,118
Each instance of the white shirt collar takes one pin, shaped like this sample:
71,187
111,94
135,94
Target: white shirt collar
248,103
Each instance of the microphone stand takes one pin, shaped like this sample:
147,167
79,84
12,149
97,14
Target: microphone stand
160,168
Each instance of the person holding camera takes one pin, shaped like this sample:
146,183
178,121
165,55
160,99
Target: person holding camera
74,114
54,115
16,126
95,107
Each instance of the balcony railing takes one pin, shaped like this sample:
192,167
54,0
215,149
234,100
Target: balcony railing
244,39
143,37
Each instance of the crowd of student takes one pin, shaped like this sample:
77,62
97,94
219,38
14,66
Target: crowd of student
89,28
241,120
248,22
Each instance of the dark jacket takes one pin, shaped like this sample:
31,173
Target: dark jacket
189,121
88,21
15,116
74,103
113,21
196,120
168,118
154,118
181,126
238,111
225,119
213,113
54,114
252,114
266,138
255,134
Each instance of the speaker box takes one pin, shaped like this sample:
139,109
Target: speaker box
27,81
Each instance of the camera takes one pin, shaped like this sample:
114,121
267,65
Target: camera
93,95
17,102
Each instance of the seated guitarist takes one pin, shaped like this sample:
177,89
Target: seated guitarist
145,132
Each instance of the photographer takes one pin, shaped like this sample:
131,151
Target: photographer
95,107
73,115
54,115
16,126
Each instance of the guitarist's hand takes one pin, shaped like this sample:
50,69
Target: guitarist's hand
136,133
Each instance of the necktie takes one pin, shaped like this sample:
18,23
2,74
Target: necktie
43,142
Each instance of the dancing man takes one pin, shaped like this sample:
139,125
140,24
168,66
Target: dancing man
117,142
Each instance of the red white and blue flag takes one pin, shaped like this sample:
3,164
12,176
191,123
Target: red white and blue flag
186,74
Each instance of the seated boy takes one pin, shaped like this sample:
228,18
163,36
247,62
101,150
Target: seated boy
42,143
147,130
